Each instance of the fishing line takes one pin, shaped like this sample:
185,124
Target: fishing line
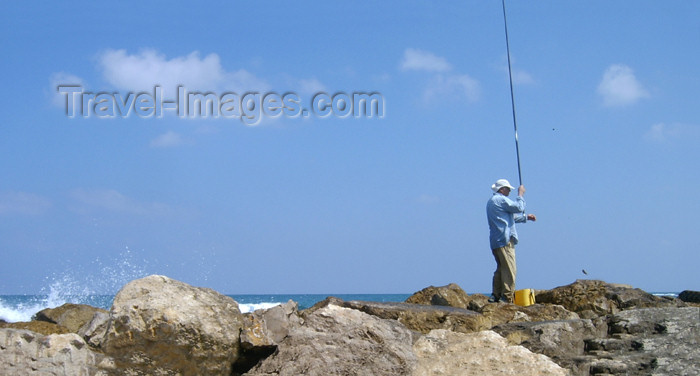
512,97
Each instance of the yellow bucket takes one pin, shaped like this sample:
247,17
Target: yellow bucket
525,297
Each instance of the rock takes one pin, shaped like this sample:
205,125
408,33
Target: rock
591,298
94,331
485,353
477,302
689,296
23,352
423,318
451,295
334,340
262,331
500,313
162,326
71,316
562,341
418,317
41,327
656,341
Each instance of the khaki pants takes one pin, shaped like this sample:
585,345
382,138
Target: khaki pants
504,277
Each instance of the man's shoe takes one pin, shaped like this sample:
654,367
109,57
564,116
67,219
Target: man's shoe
504,300
493,299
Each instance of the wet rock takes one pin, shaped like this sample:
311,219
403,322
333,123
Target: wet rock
162,326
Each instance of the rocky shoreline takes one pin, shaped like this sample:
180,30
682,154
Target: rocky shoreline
160,326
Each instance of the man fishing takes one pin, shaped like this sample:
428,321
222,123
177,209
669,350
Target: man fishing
502,214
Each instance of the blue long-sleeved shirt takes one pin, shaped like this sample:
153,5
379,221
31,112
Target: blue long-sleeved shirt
502,214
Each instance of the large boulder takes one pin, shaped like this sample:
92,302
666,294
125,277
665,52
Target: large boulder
590,298
689,296
23,352
442,352
451,295
71,316
162,326
334,340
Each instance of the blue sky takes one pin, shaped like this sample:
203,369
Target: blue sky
608,116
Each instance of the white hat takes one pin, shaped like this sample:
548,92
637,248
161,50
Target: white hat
500,183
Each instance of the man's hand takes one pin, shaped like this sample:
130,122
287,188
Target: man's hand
531,217
521,190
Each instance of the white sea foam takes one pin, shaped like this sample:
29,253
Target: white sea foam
250,307
22,312
60,291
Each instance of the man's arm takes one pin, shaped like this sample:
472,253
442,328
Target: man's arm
520,218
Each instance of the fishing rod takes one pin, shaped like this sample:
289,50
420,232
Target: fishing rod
512,97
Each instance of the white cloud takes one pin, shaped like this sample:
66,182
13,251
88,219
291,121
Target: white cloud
662,132
619,86
167,140
521,77
113,201
452,87
443,84
23,203
148,68
414,59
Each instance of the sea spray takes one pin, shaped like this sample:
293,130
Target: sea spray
96,288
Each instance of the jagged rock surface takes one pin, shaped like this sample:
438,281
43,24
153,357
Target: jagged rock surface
23,352
650,341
